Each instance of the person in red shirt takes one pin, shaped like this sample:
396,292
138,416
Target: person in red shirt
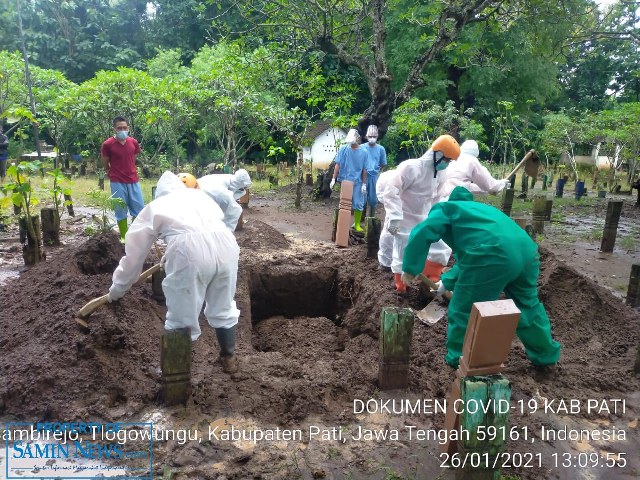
119,161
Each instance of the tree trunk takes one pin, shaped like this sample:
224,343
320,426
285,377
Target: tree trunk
50,226
31,246
382,106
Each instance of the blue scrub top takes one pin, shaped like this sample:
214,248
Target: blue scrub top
376,158
351,162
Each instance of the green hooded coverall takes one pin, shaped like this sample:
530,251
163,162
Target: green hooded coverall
493,254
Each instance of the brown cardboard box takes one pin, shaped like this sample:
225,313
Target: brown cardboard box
465,371
342,230
346,190
491,328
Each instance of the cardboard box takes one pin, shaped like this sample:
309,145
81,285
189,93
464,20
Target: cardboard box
346,190
342,229
491,328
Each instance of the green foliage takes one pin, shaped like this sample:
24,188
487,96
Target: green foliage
19,190
61,186
418,122
79,37
106,203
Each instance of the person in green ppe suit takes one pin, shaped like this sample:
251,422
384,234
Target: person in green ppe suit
493,254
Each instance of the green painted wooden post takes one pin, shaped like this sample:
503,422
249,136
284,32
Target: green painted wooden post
547,210
396,332
493,390
156,283
175,362
539,213
633,290
507,201
373,228
614,208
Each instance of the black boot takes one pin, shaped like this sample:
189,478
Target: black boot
227,342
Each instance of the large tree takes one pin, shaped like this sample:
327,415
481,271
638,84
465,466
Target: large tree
77,37
357,33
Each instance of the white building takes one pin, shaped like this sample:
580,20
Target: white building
325,143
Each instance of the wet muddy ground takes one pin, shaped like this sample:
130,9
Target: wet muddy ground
308,348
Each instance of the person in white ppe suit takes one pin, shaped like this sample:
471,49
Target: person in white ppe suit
407,193
222,196
469,173
237,183
201,261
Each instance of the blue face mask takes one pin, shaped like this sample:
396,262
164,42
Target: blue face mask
122,134
442,164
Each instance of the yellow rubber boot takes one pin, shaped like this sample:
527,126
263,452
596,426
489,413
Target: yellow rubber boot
357,217
122,226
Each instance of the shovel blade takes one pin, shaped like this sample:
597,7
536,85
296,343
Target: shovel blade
532,165
432,313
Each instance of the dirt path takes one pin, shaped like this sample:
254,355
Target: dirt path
308,347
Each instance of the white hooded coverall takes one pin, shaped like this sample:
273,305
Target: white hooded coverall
224,198
407,193
236,183
469,173
201,257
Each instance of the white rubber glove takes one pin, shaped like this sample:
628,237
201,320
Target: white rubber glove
394,226
507,185
333,182
407,278
363,190
440,288
115,294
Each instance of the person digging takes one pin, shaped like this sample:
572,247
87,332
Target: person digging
493,254
407,193
201,262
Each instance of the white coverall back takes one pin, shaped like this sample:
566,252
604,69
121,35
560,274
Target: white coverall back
469,173
201,257
407,193
224,198
236,183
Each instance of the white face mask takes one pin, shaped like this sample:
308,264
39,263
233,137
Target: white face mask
372,140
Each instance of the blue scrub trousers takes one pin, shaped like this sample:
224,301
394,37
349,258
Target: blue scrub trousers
131,194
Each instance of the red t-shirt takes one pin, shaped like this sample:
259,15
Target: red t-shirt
122,159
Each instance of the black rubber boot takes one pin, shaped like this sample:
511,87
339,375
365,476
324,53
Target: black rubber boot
227,342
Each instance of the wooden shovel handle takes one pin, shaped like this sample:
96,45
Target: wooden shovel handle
91,306
429,283
147,273
529,154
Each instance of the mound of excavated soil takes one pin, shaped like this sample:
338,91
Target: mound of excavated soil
256,234
308,339
99,254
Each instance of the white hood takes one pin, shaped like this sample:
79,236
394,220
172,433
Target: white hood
240,180
169,183
470,147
